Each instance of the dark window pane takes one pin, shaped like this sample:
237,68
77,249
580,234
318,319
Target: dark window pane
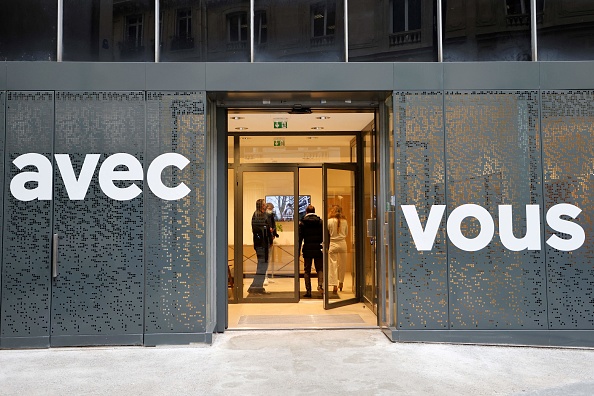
260,28
118,31
565,30
392,31
486,30
204,31
398,16
300,31
28,30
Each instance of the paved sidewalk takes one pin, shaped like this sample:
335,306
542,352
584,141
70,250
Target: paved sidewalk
330,362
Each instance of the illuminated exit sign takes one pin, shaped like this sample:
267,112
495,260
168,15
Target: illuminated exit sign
280,123
279,142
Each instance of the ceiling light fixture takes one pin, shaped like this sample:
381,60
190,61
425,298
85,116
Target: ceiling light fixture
323,118
241,128
317,128
237,118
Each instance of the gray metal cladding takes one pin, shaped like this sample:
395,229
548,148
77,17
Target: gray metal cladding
493,158
2,142
26,225
175,260
568,155
468,147
99,287
419,170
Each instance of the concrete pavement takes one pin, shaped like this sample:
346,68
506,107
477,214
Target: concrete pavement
329,362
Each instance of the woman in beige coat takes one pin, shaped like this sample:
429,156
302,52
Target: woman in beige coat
337,249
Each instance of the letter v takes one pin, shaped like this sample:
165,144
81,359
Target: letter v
423,239
77,189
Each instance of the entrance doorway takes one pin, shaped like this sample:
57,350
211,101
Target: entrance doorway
322,159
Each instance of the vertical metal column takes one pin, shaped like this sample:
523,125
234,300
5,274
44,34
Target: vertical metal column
346,31
60,38
157,31
252,30
533,30
439,32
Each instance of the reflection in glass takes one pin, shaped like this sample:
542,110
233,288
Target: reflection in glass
486,30
565,30
204,30
340,195
231,234
279,270
28,30
392,30
299,30
109,31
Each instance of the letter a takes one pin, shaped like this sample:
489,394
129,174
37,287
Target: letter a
43,177
423,239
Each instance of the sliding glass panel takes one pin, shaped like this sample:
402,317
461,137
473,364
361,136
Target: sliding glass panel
340,259
269,267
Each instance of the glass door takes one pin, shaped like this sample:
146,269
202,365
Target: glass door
266,237
340,230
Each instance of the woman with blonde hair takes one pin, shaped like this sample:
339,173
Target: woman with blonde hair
337,250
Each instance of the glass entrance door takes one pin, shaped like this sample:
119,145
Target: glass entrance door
268,270
340,243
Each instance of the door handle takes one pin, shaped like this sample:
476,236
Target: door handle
55,256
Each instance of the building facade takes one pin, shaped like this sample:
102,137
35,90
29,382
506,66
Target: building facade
483,161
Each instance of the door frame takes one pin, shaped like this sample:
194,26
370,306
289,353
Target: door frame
359,235
239,237
222,108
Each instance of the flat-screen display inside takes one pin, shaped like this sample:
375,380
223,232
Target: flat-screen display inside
284,206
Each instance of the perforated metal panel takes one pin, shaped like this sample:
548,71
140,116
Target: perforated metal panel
419,169
27,225
568,155
493,158
99,288
175,230
2,141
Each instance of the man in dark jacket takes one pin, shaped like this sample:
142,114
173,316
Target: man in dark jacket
311,235
261,229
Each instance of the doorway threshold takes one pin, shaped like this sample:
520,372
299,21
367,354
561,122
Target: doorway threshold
302,315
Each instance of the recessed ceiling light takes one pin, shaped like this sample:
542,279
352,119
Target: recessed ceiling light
241,128
322,117
237,118
312,137
245,138
317,128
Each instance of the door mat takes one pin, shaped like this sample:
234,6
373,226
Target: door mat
300,319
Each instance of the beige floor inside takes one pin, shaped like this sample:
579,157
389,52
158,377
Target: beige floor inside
306,314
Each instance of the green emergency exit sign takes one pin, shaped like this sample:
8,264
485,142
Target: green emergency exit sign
280,124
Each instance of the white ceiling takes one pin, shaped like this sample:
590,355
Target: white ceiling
264,122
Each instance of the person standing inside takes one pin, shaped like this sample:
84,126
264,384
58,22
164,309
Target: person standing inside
337,249
261,229
271,236
311,236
